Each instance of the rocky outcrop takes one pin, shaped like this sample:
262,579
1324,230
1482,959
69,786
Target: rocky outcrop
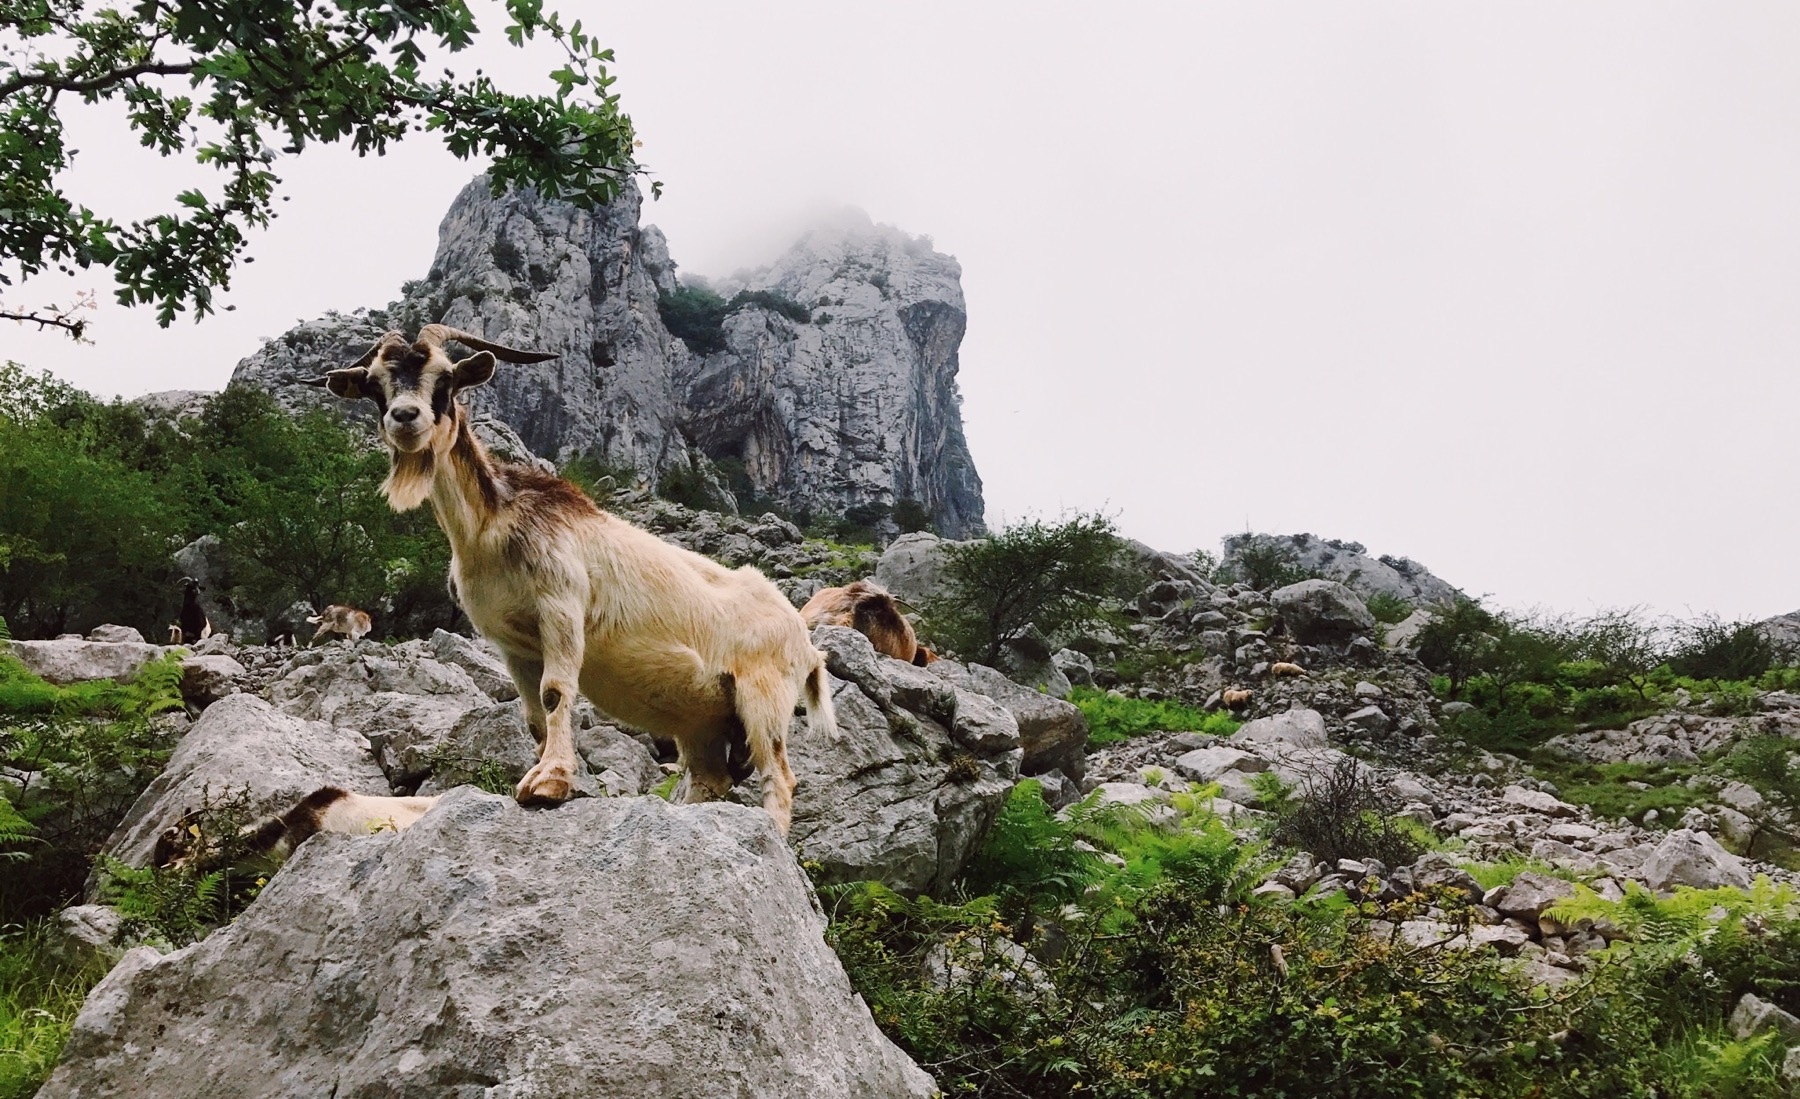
1322,611
856,406
605,947
75,660
859,405
1349,563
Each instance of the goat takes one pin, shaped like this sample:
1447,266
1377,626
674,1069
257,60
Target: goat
339,619
192,623
577,599
1281,668
1234,699
273,839
869,609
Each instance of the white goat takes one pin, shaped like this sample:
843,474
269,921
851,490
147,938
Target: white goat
579,600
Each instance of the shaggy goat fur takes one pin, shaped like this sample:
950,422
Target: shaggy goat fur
339,619
327,809
870,610
580,601
1282,667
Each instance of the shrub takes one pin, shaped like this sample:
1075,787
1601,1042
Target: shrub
1388,608
1344,814
911,515
1263,562
1051,575
1112,720
1457,641
1029,861
80,756
1711,648
1767,763
697,315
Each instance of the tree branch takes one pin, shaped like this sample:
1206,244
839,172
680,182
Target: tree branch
63,84
60,320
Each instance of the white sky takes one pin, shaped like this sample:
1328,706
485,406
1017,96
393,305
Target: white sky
1509,289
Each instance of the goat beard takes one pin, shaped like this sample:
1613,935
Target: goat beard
409,478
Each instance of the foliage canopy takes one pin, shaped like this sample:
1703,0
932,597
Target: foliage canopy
238,84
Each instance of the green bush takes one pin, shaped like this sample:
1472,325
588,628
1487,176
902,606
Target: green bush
1051,575
81,755
1262,562
1711,648
1112,720
697,315
1388,608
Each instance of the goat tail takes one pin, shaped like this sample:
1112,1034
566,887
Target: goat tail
821,715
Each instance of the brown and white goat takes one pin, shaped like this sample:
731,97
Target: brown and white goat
340,619
579,600
273,839
871,610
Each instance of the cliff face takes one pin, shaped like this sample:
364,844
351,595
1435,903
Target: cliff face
856,406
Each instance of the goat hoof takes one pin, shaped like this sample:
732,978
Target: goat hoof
545,788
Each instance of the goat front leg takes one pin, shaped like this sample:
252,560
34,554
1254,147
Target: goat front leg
552,780
528,677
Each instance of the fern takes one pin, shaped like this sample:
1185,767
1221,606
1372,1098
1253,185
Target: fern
1681,921
15,832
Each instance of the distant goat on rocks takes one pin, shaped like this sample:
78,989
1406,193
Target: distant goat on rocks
871,610
579,600
192,624
340,619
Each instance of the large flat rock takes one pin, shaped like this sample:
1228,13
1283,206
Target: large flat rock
607,947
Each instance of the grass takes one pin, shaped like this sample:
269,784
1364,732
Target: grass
39,998
1603,788
1114,720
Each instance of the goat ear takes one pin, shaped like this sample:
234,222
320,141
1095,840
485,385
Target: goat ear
474,370
351,383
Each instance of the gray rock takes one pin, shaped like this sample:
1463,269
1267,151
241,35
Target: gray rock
1075,667
896,795
316,683
88,933
485,668
77,660
618,761
1527,895
912,567
1369,719
1322,611
1052,732
1686,857
619,947
206,679
1207,764
241,743
1295,729
111,632
448,750
1538,802
1753,1016
1404,634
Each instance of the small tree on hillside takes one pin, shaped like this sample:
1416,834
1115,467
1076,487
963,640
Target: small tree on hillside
1052,575
1625,642
1458,641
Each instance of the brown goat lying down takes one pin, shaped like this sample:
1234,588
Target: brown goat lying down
273,839
869,609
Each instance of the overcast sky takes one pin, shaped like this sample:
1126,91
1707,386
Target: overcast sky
1508,289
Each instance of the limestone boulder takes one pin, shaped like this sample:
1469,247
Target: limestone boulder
479,659
606,947
908,787
1052,732
76,660
206,679
1322,611
1687,857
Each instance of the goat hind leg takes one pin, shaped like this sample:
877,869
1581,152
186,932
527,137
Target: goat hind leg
765,704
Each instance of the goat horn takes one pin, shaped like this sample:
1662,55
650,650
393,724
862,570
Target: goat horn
436,335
